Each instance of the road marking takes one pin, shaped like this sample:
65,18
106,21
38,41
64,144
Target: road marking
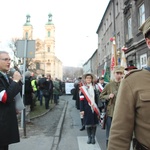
82,142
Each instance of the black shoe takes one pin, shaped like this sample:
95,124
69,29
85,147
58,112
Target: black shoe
83,128
89,140
93,140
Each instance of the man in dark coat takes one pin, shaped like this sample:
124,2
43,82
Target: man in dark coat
9,88
48,86
41,88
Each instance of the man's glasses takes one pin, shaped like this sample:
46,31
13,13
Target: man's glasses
5,59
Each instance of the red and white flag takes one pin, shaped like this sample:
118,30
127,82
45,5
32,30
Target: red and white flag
113,58
104,70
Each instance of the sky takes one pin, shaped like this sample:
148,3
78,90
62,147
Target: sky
76,23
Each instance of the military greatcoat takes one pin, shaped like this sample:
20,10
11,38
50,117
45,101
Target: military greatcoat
112,87
132,112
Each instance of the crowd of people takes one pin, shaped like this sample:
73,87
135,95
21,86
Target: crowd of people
125,99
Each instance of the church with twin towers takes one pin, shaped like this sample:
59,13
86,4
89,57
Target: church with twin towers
45,61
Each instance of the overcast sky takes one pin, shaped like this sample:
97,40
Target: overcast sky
76,23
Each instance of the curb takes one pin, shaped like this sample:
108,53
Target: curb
57,135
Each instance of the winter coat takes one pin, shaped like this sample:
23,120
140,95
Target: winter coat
28,91
48,85
90,118
132,111
111,87
8,121
41,83
56,88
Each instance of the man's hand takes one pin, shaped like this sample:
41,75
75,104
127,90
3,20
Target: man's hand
16,76
111,95
82,113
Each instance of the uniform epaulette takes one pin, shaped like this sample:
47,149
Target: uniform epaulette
131,72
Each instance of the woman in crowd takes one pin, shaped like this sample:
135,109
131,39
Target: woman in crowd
88,106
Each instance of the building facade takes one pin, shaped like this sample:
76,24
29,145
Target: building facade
111,25
90,66
45,61
135,13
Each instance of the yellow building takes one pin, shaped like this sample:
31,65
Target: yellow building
45,61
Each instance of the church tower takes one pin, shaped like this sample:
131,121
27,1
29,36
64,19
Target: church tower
27,29
50,36
45,61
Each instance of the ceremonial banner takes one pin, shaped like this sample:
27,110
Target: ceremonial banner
104,70
123,57
107,75
113,58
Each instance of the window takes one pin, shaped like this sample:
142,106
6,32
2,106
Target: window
37,66
110,19
107,49
141,14
26,35
48,34
129,29
117,9
118,40
48,49
143,60
106,24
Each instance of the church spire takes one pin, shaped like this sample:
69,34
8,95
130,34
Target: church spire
27,28
49,19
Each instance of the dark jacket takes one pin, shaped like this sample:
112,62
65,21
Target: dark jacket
76,96
41,83
48,85
90,118
8,121
28,91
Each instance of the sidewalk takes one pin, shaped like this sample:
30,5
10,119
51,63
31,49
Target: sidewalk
41,142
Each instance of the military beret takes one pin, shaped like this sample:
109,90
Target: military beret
145,26
119,69
130,67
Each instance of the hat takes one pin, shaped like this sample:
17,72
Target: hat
145,26
130,67
119,69
91,74
27,74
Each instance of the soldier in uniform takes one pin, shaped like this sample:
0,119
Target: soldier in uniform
109,94
132,110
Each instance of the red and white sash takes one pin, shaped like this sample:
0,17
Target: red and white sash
3,96
100,87
87,96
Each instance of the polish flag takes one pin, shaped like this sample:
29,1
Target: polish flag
113,58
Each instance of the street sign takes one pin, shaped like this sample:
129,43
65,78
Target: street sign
30,48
